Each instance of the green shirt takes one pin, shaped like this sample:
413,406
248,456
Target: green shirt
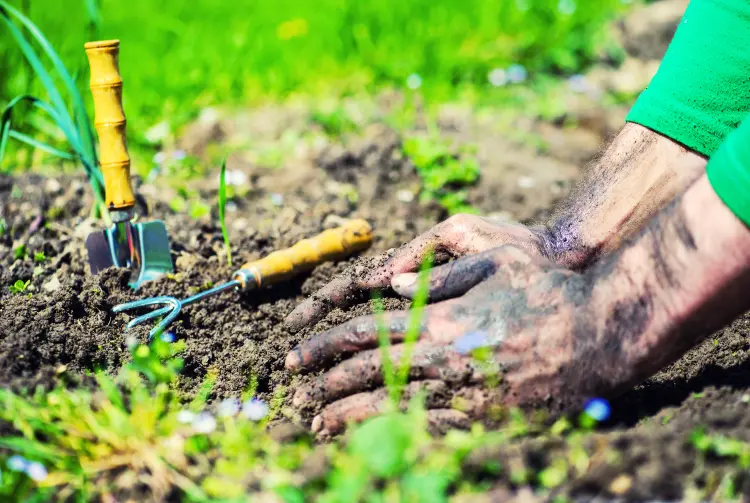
702,89
728,171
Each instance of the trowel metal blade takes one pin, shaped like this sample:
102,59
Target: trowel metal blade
150,258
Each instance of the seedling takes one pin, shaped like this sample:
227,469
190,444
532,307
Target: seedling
19,286
39,257
222,211
19,253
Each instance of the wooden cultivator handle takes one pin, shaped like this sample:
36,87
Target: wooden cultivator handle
332,244
109,120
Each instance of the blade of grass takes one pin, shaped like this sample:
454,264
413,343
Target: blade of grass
384,343
222,210
416,313
41,145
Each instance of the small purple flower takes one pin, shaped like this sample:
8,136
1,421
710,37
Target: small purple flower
255,409
597,409
179,155
36,471
160,157
229,407
471,341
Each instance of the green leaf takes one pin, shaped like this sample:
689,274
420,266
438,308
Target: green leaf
382,444
222,210
40,145
428,487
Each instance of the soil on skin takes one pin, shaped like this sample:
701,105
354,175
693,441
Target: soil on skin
62,325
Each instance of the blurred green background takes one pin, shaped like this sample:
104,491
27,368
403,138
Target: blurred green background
177,57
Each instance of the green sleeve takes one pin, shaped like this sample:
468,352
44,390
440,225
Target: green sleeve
702,89
728,171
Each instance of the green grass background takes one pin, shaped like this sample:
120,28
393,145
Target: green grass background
177,56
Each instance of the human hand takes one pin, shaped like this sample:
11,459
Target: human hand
456,237
538,320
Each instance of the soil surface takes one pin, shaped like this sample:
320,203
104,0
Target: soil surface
61,325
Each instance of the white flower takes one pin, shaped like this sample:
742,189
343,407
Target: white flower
179,155
204,423
17,463
414,81
185,416
160,157
255,409
566,7
229,407
498,77
235,177
158,132
277,199
36,471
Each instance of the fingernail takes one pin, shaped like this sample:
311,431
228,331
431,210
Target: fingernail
471,341
293,360
317,424
404,283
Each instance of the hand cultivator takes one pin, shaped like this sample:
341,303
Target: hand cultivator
332,244
142,247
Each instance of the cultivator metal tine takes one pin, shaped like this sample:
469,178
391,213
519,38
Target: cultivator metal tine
173,307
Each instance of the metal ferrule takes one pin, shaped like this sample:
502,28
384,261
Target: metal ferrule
246,278
125,215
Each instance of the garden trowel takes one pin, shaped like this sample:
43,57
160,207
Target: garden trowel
141,247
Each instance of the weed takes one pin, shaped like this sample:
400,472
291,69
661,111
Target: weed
3,226
39,257
19,286
722,446
19,252
443,171
222,211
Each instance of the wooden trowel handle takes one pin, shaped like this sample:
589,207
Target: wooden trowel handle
332,244
109,120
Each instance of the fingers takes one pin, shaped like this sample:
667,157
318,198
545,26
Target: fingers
458,277
449,280
334,418
338,293
354,335
365,371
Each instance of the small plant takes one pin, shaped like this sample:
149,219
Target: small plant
443,172
222,210
39,257
19,253
19,286
76,127
3,226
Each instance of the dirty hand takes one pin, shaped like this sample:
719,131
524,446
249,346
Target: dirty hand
457,236
536,318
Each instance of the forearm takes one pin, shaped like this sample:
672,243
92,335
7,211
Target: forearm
629,182
686,275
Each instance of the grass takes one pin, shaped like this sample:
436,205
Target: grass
247,51
222,210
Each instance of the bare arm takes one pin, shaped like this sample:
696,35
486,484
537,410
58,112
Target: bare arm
625,185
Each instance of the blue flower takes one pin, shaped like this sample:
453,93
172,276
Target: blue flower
17,463
597,409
